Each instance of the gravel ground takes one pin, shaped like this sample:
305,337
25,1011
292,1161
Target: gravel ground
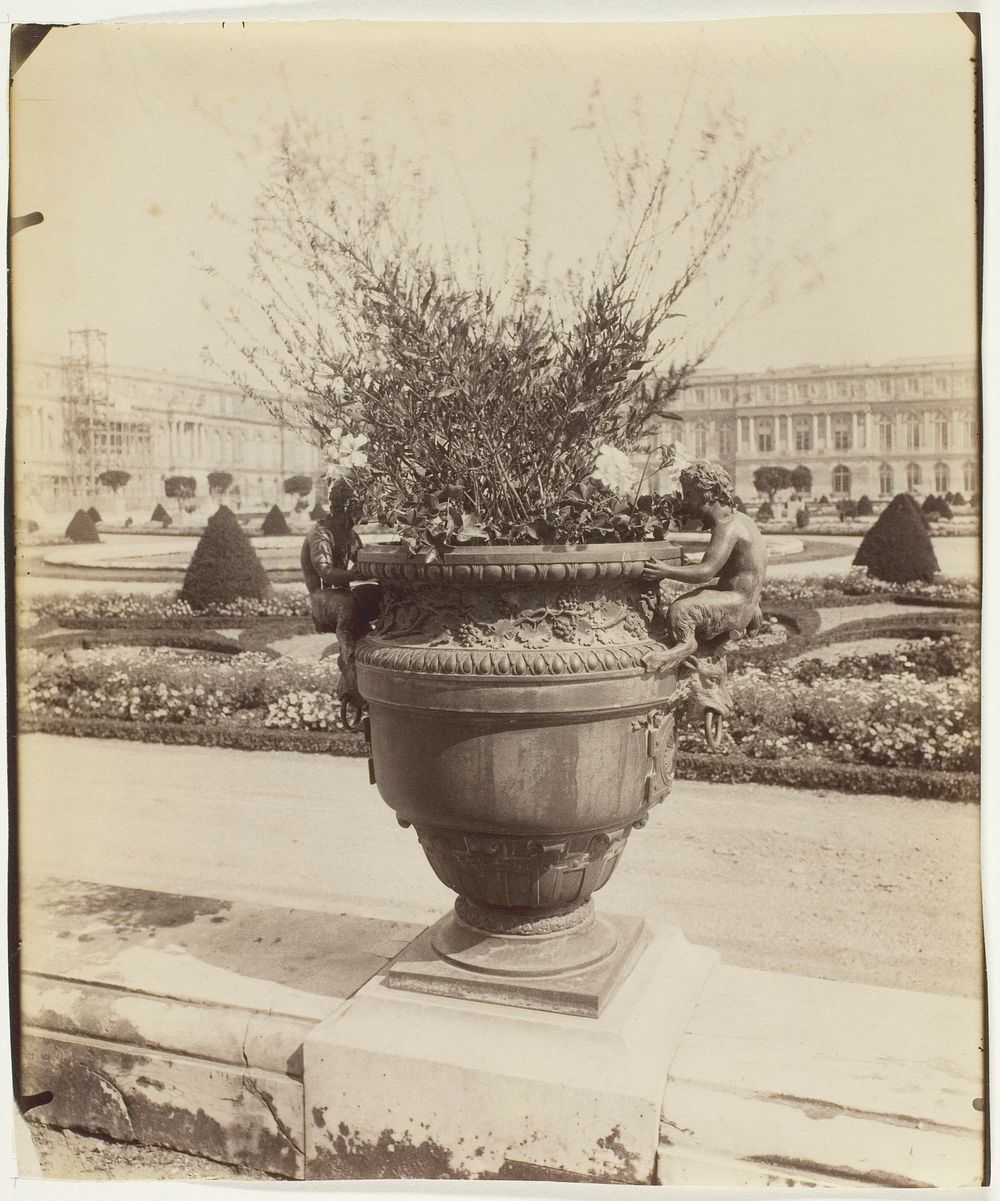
66,1155
874,889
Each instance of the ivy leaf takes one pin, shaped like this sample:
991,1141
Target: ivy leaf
471,530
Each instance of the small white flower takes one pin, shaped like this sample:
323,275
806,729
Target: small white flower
614,468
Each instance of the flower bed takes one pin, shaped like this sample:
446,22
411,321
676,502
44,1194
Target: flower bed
923,713
857,586
170,686
96,610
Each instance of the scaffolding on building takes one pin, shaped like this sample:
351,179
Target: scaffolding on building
95,439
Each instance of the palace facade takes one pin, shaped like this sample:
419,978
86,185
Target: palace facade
907,426
75,418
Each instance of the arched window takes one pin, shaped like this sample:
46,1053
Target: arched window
968,431
885,480
941,477
970,478
912,424
912,477
842,480
941,431
725,439
700,439
884,432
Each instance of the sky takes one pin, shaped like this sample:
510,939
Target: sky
860,248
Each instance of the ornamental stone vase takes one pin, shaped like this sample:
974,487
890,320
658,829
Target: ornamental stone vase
514,726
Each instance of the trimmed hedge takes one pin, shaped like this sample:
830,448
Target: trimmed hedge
730,768
186,640
224,566
82,528
818,773
234,737
897,547
275,523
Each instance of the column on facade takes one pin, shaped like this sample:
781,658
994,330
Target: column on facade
815,431
868,432
753,435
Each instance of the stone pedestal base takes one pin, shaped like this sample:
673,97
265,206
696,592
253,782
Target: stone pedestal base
575,972
401,1083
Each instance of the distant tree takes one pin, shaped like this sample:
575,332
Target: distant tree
275,523
94,516
802,518
765,512
944,510
224,566
959,501
949,498
771,480
219,483
848,510
974,500
161,515
823,500
930,503
898,548
318,511
865,507
299,486
113,479
802,480
180,488
82,528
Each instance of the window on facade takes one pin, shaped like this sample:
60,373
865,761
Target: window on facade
884,433
842,439
859,419
885,480
699,395
803,391
941,432
725,440
912,427
968,431
765,441
970,478
803,438
842,387
913,384
842,480
941,477
913,477
885,387
941,383
725,395
700,440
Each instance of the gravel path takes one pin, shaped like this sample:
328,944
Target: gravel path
875,889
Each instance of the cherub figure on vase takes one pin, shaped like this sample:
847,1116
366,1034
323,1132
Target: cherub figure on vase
726,603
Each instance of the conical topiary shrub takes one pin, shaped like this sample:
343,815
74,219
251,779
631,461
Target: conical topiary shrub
865,508
275,523
318,511
82,528
930,503
898,548
161,515
93,514
224,566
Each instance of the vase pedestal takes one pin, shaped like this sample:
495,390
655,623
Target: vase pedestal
574,971
435,1083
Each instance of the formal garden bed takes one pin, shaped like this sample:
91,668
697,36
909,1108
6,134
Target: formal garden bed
904,722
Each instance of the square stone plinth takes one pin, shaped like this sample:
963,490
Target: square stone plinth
405,1084
584,992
